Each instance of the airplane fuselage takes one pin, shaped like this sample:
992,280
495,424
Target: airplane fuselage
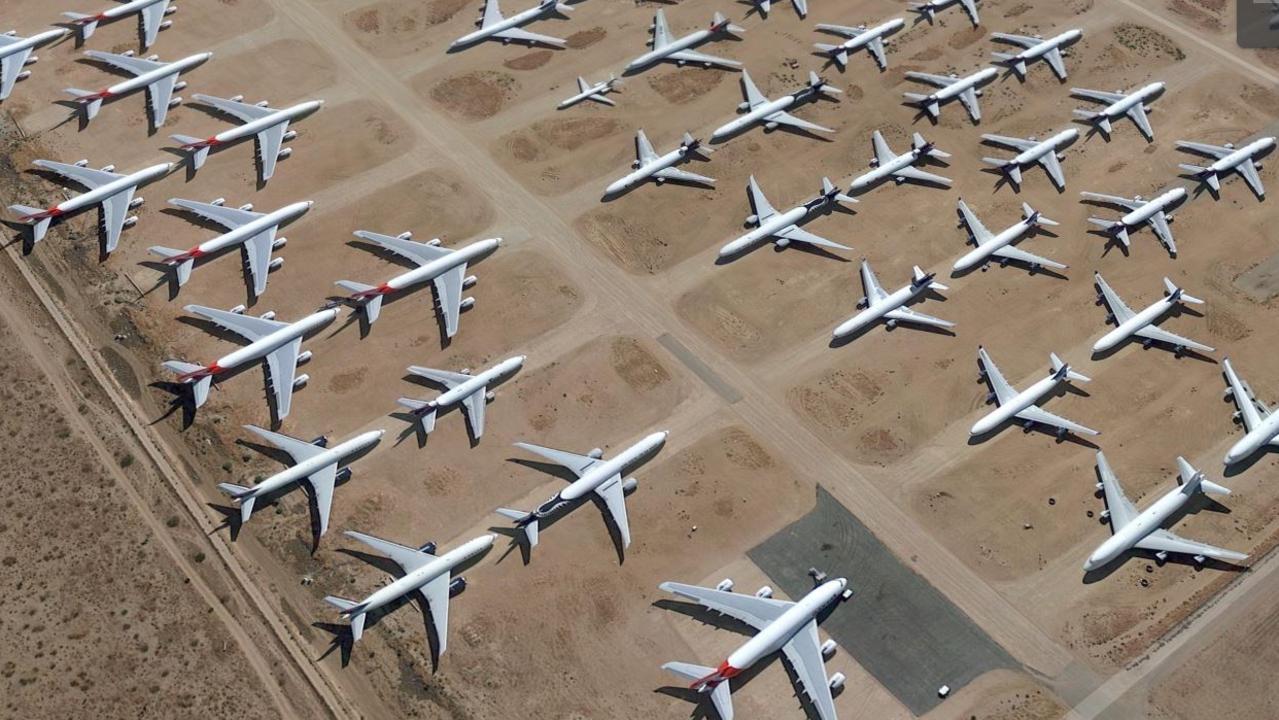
1058,41
758,114
601,472
415,579
128,8
1133,99
102,192
645,171
1133,324
692,39
864,38
1153,207
1246,152
269,343
439,266
151,76
1262,434
875,312
32,42
304,469
248,230
514,21
600,90
884,170
253,127
767,229
779,632
983,251
1051,145
1139,527
464,389
1022,400
961,85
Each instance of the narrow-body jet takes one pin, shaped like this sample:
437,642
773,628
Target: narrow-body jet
594,93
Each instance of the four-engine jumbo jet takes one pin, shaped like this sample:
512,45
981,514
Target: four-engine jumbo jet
1142,324
1154,211
15,54
989,245
772,113
1045,152
253,230
786,627
444,267
870,38
1036,47
1242,160
928,10
595,93
314,462
783,228
1119,104
268,126
470,391
160,80
677,50
150,15
660,168
891,307
597,478
424,572
280,343
1021,406
966,88
114,192
900,168
1134,529
1260,424
507,29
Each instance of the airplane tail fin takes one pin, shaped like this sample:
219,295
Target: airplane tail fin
242,495
198,147
526,521
1062,371
1012,61
90,102
370,302
190,372
920,276
837,53
1117,230
927,103
1176,294
1034,217
830,191
85,24
722,24
1193,480
706,679
823,87
37,218
924,10
1099,119
1207,175
179,260
694,145
926,148
424,410
352,610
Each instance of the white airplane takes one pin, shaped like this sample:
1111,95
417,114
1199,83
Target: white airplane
314,462
15,54
279,343
111,190
677,50
1119,104
1228,157
507,29
966,88
471,391
1036,47
1260,424
871,38
759,109
444,267
596,92
150,14
1142,324
424,572
660,168
989,245
766,6
1153,211
595,475
879,304
786,627
900,168
160,80
784,228
1131,528
255,231
1021,406
1045,152
268,126
928,10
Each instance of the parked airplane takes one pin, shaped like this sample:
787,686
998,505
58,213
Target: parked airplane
660,168
314,462
1021,406
1260,424
786,627
1119,104
444,267
594,92
1036,47
1045,152
424,572
880,303
507,29
114,192
1242,160
279,343
471,391
1153,211
253,230
1142,324
159,79
871,38
150,14
594,475
928,10
766,6
15,54
1134,529
784,228
772,113
677,50
268,126
900,168
966,88
989,245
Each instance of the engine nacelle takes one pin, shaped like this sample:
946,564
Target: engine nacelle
752,219
275,264
782,242
725,585
764,592
343,475
268,315
236,98
1105,515
82,162
136,202
304,357
180,85
635,164
218,201
469,281
300,381
630,486
246,207
828,649
279,243
433,242
770,126
406,235
171,9
286,152
427,547
175,101
32,60
153,57
743,107
467,303
321,441
261,103
238,310
490,396
595,453
127,53
131,221
457,585
837,682
290,135
108,168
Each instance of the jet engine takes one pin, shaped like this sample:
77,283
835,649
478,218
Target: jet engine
433,242
180,85
108,168
743,107
630,486
752,219
268,315
836,682
406,235
83,162
304,357
469,282
321,441
300,381
457,585
595,453
238,310
343,475
275,264
467,303
171,9
427,547
283,154
289,135
828,649
218,201
246,207
136,202
279,243
131,221
725,585
764,592
236,98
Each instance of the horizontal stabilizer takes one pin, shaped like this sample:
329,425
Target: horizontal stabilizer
36,218
199,149
85,24
526,520
90,102
424,410
181,267
242,495
371,304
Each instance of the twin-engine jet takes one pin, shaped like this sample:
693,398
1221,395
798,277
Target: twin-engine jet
891,307
784,227
1021,406
1036,47
928,10
15,54
966,88
870,38
150,15
1142,324
1000,246
677,50
759,110
268,126
1118,105
900,168
1155,211
1242,160
493,26
160,80
1047,153
1260,424
471,392
660,168
594,93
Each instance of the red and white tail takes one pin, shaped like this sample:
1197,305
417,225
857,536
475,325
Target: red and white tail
706,679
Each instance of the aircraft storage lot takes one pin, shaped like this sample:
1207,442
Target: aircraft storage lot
468,145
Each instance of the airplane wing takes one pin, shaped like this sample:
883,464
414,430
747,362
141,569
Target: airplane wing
1216,151
128,63
1098,95
795,233
1165,541
1122,511
282,365
907,315
10,66
914,173
1003,391
406,557
529,37
754,98
690,56
643,148
443,377
420,253
870,284
876,48
969,100
970,7
151,18
883,153
258,251
1019,143
1251,412
661,31
683,176
781,117
1013,253
1043,417
980,234
159,93
578,464
299,450
1022,40
244,112
115,210
87,177
1138,115
804,653
1049,161
228,217
448,286
757,612
1118,307
939,80
1131,204
615,500
759,203
436,594
475,403
492,13
246,326
1156,333
1248,169
1159,223
323,481
269,142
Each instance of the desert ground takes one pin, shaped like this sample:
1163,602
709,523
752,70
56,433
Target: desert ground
630,326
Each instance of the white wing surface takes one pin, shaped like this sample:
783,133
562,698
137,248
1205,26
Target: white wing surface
436,594
246,326
228,217
661,31
474,405
1165,541
902,314
643,148
1043,417
804,652
10,66
980,234
1117,305
615,501
282,366
406,557
419,253
759,202
1122,510
757,612
152,17
578,464
448,286
1003,391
